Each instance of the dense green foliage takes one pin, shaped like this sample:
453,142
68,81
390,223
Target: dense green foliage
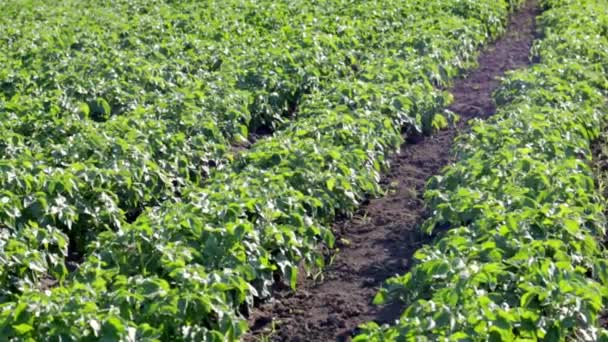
110,109
523,259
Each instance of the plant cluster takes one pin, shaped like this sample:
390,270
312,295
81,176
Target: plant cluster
523,260
116,125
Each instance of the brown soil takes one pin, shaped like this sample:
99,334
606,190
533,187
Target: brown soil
380,240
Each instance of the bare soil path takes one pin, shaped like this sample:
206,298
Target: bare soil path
381,238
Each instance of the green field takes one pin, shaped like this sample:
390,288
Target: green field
525,259
166,164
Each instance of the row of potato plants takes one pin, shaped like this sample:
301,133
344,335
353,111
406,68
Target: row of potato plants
188,268
169,113
109,108
524,258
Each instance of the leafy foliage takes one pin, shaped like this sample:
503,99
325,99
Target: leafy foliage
110,109
522,260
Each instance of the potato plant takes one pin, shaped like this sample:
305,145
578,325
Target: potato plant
117,124
523,259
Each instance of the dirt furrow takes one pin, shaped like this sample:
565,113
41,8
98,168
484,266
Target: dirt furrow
380,240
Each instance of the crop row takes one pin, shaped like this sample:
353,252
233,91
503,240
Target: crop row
523,259
184,269
104,115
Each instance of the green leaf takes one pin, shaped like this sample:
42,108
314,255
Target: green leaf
331,183
22,329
